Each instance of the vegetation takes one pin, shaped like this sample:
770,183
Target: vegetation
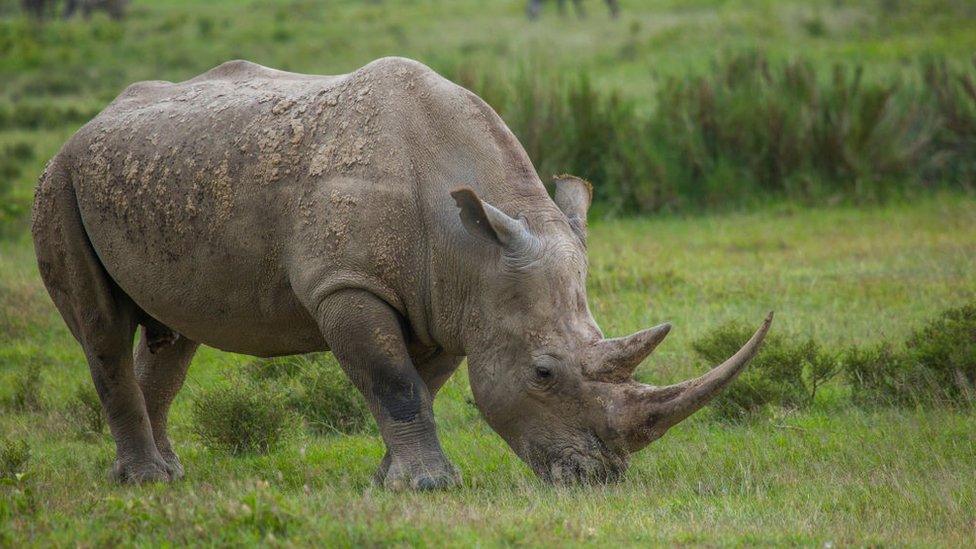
786,372
748,129
937,364
240,417
318,390
85,411
819,118
12,157
14,456
26,388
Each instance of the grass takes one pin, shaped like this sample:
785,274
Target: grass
831,472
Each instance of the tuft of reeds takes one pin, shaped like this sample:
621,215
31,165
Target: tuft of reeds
747,130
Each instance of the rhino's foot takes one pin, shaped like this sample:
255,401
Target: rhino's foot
380,475
154,469
400,477
174,466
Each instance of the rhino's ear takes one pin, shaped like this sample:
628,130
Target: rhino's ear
486,221
573,196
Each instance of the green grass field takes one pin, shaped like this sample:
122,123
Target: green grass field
831,473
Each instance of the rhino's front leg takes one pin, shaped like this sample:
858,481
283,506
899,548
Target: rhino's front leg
435,371
366,337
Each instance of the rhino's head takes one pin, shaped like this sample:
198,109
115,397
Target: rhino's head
543,375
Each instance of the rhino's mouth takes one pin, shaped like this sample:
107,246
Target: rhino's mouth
570,465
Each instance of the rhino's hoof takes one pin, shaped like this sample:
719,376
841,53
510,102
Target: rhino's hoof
141,472
422,479
173,465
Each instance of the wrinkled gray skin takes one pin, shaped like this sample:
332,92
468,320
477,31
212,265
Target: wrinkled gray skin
387,215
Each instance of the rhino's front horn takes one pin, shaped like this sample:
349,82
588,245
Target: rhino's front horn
649,411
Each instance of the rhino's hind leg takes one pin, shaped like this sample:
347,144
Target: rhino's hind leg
366,336
101,317
160,371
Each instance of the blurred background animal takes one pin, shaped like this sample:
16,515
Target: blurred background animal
535,6
41,9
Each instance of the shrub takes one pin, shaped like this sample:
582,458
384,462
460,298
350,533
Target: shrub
14,456
954,95
43,114
945,349
85,410
328,400
286,367
937,364
877,375
744,130
26,385
784,373
318,390
11,158
240,417
751,128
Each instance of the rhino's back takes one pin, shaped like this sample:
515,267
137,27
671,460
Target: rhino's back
200,197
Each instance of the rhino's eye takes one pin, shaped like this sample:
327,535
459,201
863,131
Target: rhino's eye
543,372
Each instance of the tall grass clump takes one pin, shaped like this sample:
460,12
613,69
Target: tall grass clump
240,417
746,130
25,388
12,157
752,128
318,390
785,373
954,95
14,456
85,410
936,364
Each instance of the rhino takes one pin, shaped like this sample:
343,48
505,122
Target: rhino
387,215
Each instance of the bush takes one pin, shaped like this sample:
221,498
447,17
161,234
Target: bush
85,410
240,417
877,375
752,128
784,373
954,95
318,390
745,130
26,385
329,401
937,364
44,114
945,348
264,369
11,159
14,456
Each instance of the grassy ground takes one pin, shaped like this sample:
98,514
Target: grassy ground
833,473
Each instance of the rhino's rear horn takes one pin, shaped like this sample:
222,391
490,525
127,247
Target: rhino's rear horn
616,359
